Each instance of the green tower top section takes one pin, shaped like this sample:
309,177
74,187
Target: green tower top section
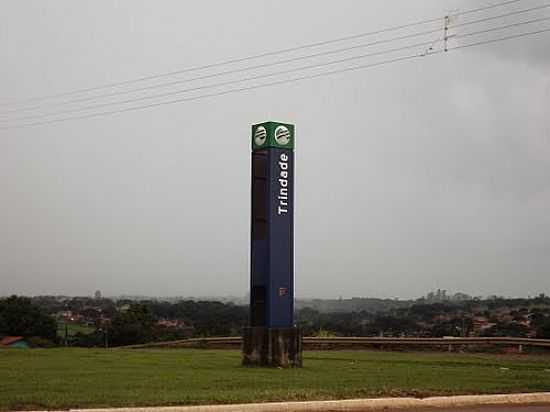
272,135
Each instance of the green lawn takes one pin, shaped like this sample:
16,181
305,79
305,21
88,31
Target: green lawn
70,377
73,329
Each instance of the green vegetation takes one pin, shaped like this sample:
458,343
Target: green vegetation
135,325
122,322
73,329
72,377
20,317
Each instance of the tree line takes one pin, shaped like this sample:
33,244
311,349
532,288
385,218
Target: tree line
127,322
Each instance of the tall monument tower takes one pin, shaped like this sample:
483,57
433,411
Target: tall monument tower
272,338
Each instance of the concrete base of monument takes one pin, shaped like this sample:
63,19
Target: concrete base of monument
272,347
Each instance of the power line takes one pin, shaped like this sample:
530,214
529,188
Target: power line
484,8
280,82
226,83
228,72
257,56
249,68
500,16
227,62
532,33
262,76
225,73
187,99
458,36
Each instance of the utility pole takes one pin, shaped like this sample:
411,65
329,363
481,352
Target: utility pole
446,33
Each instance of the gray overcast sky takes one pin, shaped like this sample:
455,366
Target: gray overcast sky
431,173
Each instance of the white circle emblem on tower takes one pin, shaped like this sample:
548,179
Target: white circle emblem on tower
260,136
282,135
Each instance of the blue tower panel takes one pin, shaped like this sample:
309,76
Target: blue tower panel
281,247
272,243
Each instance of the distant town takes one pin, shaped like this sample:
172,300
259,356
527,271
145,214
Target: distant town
98,321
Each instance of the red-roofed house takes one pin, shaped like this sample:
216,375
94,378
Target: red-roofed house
13,342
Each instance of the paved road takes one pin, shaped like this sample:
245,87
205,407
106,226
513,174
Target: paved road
497,409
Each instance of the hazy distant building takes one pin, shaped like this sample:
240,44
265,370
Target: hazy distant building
97,294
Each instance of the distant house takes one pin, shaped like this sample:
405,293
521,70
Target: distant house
124,308
13,342
174,324
69,316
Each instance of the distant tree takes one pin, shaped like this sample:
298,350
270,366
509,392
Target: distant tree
543,329
542,299
308,321
426,312
94,339
511,329
321,333
90,313
136,325
442,329
538,318
19,317
394,326
457,326
38,342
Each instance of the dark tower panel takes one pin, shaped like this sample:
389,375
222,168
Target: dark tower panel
260,244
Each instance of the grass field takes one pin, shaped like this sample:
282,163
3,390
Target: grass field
63,378
73,329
